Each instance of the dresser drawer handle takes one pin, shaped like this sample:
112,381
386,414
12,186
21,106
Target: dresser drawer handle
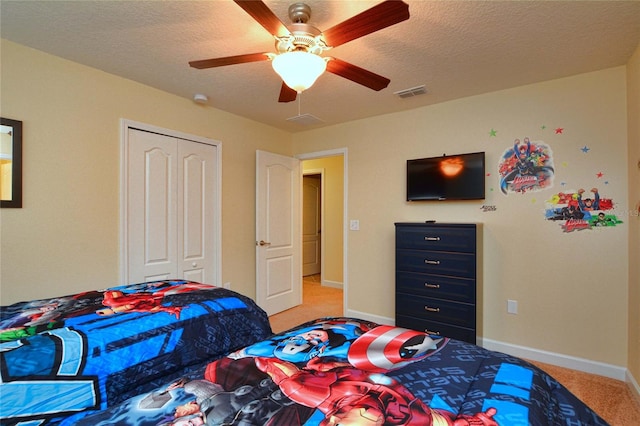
432,238
431,285
426,330
432,262
430,309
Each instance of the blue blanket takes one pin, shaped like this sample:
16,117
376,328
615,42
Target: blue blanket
67,356
348,371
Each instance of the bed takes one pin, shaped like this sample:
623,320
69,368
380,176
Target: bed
349,371
65,357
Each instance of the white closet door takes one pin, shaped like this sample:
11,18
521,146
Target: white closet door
172,198
196,221
152,207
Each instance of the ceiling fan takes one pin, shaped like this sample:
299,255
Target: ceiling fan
303,42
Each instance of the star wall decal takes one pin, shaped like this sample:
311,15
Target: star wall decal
543,127
585,149
493,132
559,130
599,174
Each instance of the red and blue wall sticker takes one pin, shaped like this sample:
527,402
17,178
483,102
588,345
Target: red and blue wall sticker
581,209
576,210
526,166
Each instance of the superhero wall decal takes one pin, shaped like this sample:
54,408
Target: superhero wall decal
575,210
528,166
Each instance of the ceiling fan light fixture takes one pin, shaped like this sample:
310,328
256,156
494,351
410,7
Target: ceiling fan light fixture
299,69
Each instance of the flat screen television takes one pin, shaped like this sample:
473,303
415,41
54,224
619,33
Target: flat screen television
449,177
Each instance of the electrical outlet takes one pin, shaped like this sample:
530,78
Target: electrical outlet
227,285
512,306
354,225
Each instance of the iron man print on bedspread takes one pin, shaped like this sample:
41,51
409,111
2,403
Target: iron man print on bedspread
326,372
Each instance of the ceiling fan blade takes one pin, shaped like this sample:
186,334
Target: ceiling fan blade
264,16
229,60
357,74
383,15
287,94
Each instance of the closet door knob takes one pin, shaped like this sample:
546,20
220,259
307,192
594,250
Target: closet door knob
264,243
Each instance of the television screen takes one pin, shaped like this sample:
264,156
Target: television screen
449,177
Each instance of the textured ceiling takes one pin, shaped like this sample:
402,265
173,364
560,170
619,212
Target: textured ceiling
454,48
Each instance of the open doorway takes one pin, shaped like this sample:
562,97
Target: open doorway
324,239
323,229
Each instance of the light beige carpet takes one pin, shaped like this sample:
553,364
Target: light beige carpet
612,399
317,301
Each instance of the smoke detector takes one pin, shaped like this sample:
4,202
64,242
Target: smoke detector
201,99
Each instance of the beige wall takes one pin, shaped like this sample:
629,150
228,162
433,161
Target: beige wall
571,287
65,239
333,209
633,105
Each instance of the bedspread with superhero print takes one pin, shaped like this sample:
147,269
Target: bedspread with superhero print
64,357
347,371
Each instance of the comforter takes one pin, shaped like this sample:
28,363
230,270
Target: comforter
348,371
65,357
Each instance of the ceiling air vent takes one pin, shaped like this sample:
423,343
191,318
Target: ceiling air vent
409,93
305,119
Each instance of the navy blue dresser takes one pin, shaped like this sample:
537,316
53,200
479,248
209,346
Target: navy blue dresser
436,266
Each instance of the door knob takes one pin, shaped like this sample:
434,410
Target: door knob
264,243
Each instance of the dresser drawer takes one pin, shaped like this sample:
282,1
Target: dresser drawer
436,262
451,288
462,314
458,239
437,328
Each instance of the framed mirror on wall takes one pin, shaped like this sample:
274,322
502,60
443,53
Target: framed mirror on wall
10,163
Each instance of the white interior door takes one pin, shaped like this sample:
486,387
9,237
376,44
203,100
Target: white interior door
172,214
311,224
278,233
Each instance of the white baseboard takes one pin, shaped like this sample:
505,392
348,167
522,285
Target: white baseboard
334,284
566,361
633,384
369,317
